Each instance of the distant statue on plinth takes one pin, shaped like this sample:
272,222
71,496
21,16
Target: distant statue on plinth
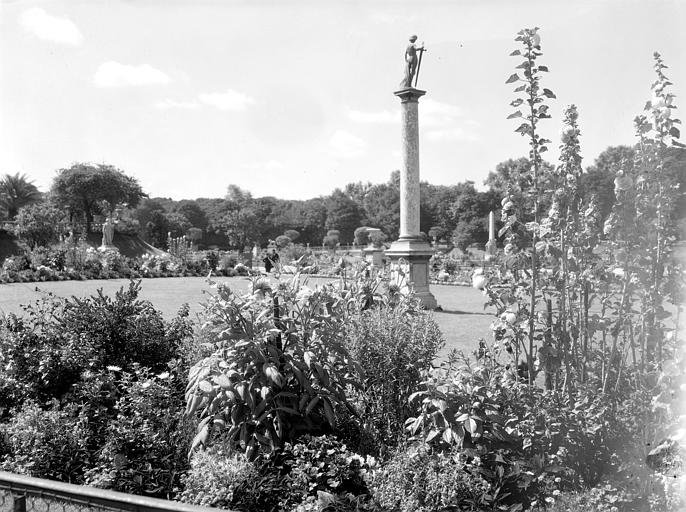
107,232
412,63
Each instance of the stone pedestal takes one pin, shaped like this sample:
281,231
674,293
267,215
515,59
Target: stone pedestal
374,256
411,246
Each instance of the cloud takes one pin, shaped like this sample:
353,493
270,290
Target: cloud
434,113
114,74
382,117
229,100
269,165
167,104
346,145
50,28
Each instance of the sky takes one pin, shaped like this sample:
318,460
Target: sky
294,98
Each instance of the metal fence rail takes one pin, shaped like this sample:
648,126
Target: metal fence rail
19,493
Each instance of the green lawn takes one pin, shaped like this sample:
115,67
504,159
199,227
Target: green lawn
463,320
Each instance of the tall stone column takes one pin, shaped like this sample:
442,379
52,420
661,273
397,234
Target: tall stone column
410,246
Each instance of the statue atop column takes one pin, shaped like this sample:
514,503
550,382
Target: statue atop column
412,63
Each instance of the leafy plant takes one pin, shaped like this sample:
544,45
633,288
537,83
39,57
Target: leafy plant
422,481
146,437
50,443
279,368
394,345
533,97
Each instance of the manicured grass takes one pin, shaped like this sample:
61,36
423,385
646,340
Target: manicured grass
463,319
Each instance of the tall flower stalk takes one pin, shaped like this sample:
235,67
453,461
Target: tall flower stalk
531,110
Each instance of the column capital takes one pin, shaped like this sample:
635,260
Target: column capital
409,95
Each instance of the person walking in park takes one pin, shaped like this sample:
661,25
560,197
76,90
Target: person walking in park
271,260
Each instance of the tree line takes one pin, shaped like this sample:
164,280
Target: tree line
454,213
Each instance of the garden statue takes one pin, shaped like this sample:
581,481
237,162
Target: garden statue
107,232
412,63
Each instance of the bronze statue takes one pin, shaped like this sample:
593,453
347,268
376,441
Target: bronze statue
412,63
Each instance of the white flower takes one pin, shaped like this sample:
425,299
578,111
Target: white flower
556,492
113,368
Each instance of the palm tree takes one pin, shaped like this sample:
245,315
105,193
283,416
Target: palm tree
17,191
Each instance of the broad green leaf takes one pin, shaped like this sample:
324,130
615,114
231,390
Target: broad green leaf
515,53
513,78
515,115
328,412
313,403
548,93
205,386
223,381
674,132
462,417
448,435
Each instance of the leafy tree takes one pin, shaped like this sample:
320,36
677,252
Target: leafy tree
15,192
332,239
361,236
382,206
194,213
357,191
513,178
436,232
151,218
283,241
88,189
239,196
156,228
598,180
292,234
342,214
471,231
178,223
38,224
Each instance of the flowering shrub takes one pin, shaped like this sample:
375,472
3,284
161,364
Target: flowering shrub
218,478
418,480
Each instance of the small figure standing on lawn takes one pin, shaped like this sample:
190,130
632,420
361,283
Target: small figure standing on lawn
271,260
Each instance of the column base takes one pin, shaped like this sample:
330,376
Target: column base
416,253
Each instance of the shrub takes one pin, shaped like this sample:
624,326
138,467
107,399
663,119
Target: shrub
283,241
37,224
361,236
228,260
45,352
394,345
320,465
219,479
421,481
147,438
49,443
122,330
